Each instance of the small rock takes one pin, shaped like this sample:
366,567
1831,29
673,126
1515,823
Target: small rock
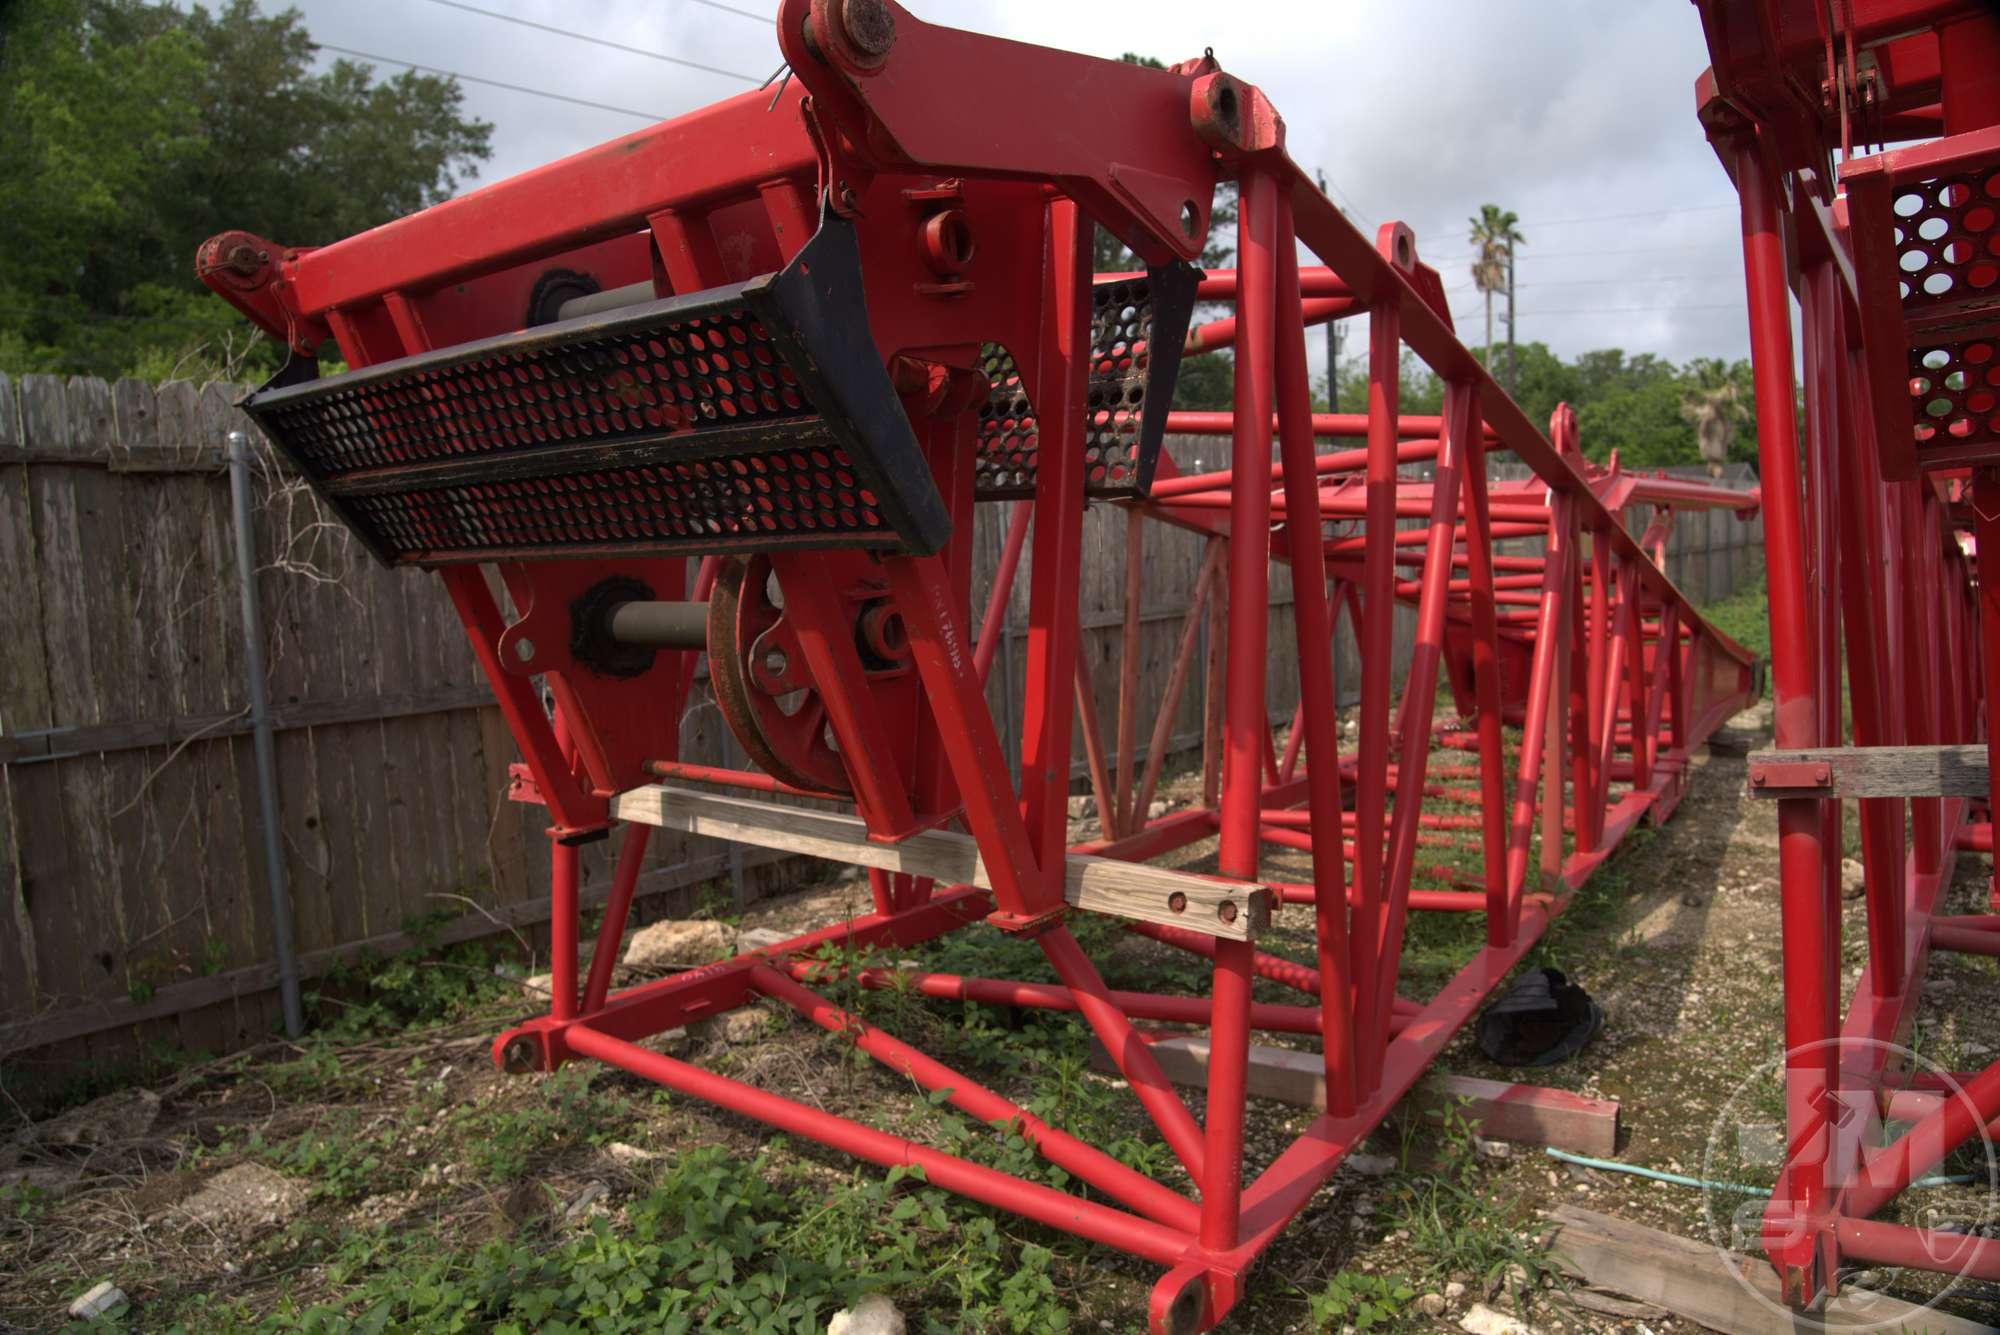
1494,1149
1480,1319
1853,879
1156,810
539,987
668,1042
759,938
126,1115
97,1302
744,1025
244,1199
629,1154
673,943
1081,806
1454,1291
1431,1304
873,1315
1371,1165
383,1208
589,1196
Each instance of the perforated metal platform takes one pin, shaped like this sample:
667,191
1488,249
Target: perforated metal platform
1136,330
748,417
1925,225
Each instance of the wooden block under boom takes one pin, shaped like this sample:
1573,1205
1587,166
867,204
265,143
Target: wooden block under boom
1524,1114
1226,909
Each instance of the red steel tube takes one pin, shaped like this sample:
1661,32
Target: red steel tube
611,932
1246,731
1057,1209
755,780
1219,334
1965,940
1810,995
1002,591
1224,480
1965,1255
1109,1020
1148,1006
563,927
1313,623
1375,592
1419,693
1195,422
1093,1166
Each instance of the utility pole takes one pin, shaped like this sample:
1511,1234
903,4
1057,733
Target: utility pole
1513,377
1332,337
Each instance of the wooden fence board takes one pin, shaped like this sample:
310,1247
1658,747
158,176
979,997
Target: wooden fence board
118,676
117,552
58,883
23,699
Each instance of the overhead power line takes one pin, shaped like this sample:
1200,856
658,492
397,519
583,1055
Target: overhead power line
766,19
605,41
1529,253
1627,310
1620,217
1633,279
490,83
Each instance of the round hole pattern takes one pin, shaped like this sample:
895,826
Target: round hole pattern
1955,392
713,370
1120,371
1948,240
805,494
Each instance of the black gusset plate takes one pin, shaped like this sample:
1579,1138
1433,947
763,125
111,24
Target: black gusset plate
750,417
1137,327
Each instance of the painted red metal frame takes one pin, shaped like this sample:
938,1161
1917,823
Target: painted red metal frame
1867,533
1583,652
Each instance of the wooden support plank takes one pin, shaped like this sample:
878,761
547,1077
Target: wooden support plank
1724,1291
1523,1114
1870,771
1100,885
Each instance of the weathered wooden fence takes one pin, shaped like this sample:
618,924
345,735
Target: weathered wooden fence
130,838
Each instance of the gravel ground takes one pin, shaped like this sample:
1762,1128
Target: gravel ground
1684,960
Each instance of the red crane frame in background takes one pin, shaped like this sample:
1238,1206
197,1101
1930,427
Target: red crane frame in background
494,450
1894,259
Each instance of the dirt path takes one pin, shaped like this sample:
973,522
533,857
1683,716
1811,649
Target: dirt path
377,1171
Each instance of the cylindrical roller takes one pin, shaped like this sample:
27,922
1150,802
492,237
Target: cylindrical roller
659,624
591,303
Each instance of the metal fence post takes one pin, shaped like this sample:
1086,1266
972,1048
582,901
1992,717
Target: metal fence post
260,726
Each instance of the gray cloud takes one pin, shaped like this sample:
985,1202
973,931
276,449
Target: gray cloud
1578,115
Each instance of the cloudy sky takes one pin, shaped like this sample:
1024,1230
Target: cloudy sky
1576,114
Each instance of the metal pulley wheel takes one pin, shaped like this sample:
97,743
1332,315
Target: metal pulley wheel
762,685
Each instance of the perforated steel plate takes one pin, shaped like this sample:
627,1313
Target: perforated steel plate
746,417
1136,329
1948,255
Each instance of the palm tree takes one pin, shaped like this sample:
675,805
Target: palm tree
1712,403
1495,233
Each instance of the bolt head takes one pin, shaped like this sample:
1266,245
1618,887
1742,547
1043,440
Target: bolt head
870,25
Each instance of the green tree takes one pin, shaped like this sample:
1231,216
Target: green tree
1716,400
130,132
1640,406
1495,233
